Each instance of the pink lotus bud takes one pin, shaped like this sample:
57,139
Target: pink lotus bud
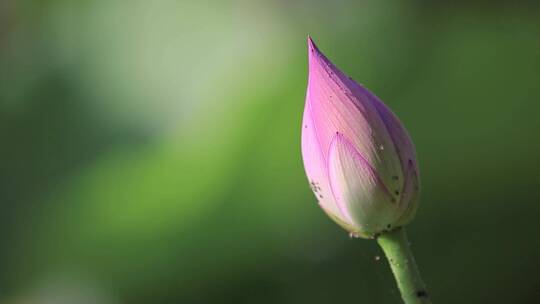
358,157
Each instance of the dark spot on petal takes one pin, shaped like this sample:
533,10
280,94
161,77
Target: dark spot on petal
396,192
389,226
395,177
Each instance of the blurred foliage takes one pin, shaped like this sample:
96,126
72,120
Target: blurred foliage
150,150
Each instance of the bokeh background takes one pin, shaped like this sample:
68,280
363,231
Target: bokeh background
150,150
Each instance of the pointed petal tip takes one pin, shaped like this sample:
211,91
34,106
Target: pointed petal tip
316,59
339,140
310,42
312,47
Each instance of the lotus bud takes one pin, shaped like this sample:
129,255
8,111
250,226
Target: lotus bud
358,157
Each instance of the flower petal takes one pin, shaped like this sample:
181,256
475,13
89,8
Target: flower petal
315,167
357,188
339,104
409,196
400,136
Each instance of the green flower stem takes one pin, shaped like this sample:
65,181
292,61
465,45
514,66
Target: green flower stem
398,252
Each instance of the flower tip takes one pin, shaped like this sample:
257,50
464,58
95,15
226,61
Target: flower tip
311,45
315,57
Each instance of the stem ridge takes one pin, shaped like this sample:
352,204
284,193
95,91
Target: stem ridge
398,252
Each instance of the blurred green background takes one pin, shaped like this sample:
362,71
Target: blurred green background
150,150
